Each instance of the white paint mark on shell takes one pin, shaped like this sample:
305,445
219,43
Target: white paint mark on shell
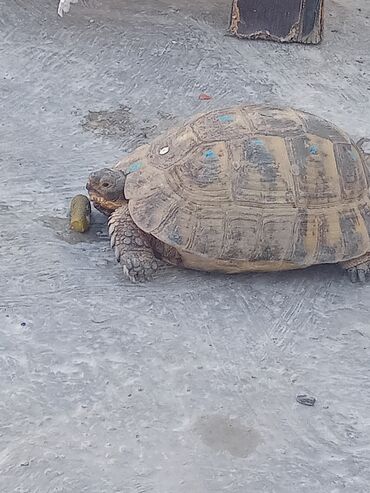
164,150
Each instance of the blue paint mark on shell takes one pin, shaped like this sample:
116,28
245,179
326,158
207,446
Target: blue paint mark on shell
209,154
175,237
226,118
313,149
258,142
134,167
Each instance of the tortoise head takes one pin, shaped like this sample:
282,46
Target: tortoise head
106,189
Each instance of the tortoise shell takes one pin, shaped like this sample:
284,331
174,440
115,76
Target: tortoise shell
252,188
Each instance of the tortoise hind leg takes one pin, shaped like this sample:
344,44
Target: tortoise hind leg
165,252
131,246
357,268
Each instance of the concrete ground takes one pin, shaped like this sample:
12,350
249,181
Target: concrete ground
189,383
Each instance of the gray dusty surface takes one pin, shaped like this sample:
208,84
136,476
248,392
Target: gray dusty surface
188,383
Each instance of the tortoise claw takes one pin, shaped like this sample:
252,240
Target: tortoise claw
358,274
362,270
352,273
139,268
361,276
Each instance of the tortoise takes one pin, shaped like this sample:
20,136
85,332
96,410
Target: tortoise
246,188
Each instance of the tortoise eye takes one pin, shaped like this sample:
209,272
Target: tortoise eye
105,184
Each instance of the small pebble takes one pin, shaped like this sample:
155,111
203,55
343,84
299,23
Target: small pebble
305,400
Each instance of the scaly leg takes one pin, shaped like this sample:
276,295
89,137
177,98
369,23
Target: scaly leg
132,246
358,268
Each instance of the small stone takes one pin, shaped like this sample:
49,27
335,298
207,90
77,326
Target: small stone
305,400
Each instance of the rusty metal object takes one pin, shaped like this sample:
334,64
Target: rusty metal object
289,21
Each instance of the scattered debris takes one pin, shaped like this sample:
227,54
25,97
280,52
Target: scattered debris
119,123
305,400
110,123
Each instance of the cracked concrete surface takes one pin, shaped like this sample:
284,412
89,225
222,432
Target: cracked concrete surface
188,383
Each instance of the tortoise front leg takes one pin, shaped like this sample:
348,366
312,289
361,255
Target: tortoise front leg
131,246
358,268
